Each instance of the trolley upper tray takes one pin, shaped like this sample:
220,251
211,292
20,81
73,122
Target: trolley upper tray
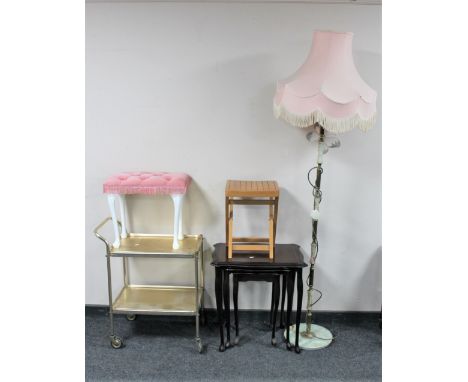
152,245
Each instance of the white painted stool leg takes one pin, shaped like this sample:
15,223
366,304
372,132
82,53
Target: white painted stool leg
123,215
177,199
181,214
111,202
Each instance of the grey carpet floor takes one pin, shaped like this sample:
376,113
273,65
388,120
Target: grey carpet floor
160,348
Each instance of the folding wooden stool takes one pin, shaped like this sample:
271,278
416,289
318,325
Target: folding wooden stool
251,192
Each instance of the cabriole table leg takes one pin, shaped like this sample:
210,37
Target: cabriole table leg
290,289
219,304
227,307
299,308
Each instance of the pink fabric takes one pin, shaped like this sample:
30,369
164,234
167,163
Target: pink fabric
147,183
327,81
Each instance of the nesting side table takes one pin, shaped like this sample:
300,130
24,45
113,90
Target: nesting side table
288,260
272,277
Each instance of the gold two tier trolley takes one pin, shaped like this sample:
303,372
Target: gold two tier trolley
155,299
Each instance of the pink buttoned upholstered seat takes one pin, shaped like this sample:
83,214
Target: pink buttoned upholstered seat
174,184
147,183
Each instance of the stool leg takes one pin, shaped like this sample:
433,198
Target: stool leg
111,203
276,293
177,199
227,219
275,219
180,236
272,232
123,215
235,293
230,224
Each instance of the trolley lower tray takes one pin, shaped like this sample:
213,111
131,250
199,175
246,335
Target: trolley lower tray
157,300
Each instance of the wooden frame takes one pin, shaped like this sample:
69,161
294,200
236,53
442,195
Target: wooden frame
240,192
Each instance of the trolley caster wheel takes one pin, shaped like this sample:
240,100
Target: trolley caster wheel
273,341
116,342
297,349
236,340
222,348
131,317
288,346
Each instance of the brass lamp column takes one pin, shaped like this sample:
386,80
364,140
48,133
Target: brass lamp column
314,336
310,338
317,194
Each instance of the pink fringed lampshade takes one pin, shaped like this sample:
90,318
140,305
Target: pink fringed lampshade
327,89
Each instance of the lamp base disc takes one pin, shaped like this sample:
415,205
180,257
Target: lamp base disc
321,337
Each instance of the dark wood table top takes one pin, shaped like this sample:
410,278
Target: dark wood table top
286,255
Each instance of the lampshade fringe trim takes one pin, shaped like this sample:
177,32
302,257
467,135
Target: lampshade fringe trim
335,125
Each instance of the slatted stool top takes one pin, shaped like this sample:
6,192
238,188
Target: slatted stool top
252,188
148,183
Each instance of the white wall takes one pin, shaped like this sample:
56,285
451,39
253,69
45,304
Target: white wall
188,87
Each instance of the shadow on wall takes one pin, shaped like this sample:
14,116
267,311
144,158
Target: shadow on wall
198,208
366,159
150,214
291,213
372,275
365,292
210,298
239,124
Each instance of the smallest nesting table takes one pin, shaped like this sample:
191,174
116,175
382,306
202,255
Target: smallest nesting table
288,260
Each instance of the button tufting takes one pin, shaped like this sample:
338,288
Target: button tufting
147,183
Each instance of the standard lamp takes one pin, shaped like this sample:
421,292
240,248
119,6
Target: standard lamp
328,94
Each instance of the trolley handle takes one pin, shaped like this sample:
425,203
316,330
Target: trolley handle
99,236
